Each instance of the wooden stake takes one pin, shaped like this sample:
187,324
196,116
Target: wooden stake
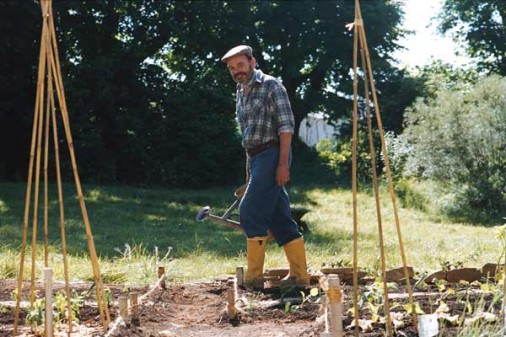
161,275
48,286
326,314
354,174
134,307
231,309
335,303
239,275
123,309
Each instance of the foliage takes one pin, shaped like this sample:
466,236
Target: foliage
338,154
35,317
142,125
438,76
60,306
20,27
458,138
149,100
409,196
481,27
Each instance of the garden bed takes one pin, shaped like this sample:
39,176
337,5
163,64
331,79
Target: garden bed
200,309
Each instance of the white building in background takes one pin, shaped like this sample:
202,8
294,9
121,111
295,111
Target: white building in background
314,128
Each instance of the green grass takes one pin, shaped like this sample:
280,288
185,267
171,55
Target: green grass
135,230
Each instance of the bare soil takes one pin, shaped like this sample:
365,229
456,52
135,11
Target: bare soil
200,309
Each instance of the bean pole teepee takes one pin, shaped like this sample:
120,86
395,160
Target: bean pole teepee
360,42
49,82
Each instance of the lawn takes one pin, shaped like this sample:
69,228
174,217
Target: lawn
137,229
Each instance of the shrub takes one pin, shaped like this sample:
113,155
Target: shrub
458,138
338,154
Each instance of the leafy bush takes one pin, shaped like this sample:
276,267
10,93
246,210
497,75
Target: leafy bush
338,154
458,138
409,196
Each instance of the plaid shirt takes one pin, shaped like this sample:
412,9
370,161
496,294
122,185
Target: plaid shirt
264,112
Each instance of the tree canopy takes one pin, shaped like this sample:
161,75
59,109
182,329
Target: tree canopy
481,26
149,100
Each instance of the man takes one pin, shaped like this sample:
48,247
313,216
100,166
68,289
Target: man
267,124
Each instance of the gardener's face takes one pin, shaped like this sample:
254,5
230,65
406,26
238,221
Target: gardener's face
241,68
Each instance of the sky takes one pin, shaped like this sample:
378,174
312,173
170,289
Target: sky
426,44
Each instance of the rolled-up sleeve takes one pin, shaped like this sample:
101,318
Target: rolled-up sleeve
282,109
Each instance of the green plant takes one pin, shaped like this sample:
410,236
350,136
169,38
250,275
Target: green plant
500,234
338,155
35,316
447,265
458,139
373,298
108,296
409,196
312,297
60,306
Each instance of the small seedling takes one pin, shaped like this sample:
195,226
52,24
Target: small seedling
35,317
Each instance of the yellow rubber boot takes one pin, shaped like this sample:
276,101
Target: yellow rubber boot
256,256
296,254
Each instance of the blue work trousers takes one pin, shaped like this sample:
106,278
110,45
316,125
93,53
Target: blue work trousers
266,205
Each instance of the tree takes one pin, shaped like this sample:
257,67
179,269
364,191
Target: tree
481,25
305,43
20,27
146,89
134,122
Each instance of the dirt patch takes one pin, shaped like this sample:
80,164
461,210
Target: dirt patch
200,309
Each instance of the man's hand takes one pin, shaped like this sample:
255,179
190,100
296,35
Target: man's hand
282,174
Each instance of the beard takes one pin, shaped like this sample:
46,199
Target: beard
244,77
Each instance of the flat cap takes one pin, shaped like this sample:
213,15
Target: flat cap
239,50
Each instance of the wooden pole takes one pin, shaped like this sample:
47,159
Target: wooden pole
46,187
326,316
376,194
360,30
48,286
40,81
134,306
161,276
354,176
239,276
123,309
231,309
37,182
48,57
62,213
335,303
363,40
101,300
